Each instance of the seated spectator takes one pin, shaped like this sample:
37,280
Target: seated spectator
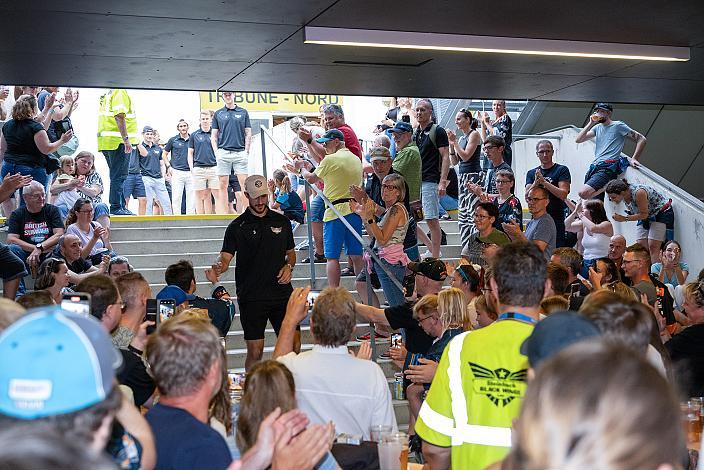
540,229
616,436
269,386
590,218
603,273
10,312
572,260
552,304
670,270
83,400
33,230
468,280
389,235
52,276
221,312
486,314
652,210
558,281
185,357
331,384
118,266
443,324
106,307
636,263
284,199
87,184
134,291
70,249
180,298
685,348
485,215
66,174
36,298
95,239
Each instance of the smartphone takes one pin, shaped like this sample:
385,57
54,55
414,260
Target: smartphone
152,309
166,310
396,340
406,118
660,294
76,302
312,295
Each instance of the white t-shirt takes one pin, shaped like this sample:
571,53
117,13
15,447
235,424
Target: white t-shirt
331,384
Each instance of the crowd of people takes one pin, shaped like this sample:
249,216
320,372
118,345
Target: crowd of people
555,345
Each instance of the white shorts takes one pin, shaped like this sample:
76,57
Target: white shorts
229,160
656,231
204,177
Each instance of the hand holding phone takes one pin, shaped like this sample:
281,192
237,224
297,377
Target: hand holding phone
76,302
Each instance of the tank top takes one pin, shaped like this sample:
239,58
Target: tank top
473,165
596,245
399,234
655,199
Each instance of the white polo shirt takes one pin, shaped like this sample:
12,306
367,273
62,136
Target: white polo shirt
332,385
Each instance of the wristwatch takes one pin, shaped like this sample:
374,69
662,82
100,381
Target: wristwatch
370,221
310,139
39,247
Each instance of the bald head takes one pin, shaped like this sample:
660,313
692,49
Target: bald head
70,247
617,246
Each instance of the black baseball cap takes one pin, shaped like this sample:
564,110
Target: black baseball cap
555,333
604,106
432,268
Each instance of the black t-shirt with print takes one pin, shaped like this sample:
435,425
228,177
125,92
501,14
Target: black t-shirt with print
35,228
429,153
553,175
261,244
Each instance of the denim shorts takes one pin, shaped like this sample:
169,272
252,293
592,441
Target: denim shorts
335,234
317,209
134,186
431,201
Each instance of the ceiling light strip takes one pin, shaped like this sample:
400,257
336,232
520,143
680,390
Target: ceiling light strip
501,45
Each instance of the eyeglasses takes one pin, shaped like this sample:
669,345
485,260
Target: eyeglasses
481,217
388,186
87,211
421,320
533,199
487,147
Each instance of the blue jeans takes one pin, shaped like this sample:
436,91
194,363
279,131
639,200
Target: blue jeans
38,173
99,209
448,203
118,164
22,255
393,294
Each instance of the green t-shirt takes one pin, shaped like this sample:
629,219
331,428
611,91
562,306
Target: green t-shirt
408,163
492,381
339,171
112,103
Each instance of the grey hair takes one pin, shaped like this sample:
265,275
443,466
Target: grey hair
334,108
382,140
33,187
296,123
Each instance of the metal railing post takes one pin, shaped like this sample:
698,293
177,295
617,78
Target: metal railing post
261,136
311,245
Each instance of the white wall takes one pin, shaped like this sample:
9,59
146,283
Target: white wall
689,212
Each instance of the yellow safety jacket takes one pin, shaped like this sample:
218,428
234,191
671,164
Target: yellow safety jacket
476,393
112,103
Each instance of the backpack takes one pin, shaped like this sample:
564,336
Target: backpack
431,133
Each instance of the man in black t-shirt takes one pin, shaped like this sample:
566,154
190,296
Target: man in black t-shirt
556,179
35,229
78,268
263,241
433,145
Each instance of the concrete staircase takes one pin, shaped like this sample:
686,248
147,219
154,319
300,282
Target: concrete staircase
152,243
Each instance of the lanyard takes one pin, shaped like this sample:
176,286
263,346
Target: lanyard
517,316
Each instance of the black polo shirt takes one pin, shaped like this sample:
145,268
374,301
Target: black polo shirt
231,124
151,164
261,244
203,155
178,146
401,316
429,153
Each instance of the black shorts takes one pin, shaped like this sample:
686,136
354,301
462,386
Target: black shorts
11,267
254,315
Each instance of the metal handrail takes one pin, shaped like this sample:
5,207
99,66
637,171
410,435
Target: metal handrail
650,174
536,136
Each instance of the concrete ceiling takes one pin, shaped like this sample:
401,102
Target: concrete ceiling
258,46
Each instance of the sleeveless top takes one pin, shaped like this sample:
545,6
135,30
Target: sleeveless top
400,232
596,245
655,199
473,165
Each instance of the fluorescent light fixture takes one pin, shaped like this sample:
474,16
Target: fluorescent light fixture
501,45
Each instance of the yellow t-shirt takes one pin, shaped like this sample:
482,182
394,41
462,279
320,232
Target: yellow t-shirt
339,171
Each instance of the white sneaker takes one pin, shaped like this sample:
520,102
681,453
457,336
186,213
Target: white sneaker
428,254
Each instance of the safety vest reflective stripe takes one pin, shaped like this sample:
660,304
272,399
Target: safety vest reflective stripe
115,134
114,112
454,375
435,420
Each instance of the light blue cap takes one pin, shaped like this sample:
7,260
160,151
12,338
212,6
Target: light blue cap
55,362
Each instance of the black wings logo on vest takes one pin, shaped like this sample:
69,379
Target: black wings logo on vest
501,386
